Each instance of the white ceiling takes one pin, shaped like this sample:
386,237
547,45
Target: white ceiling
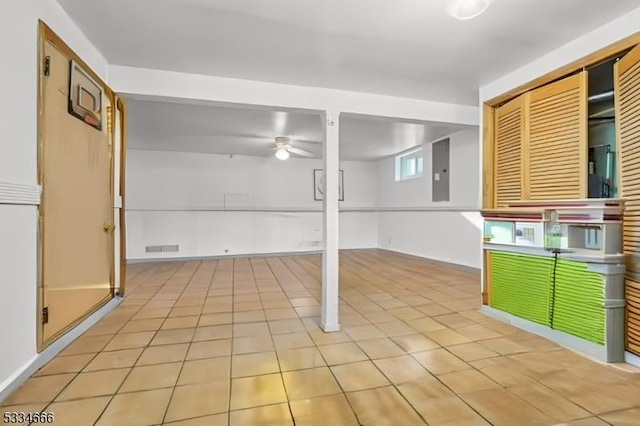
177,126
406,48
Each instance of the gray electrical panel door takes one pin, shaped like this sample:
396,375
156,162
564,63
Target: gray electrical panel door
440,170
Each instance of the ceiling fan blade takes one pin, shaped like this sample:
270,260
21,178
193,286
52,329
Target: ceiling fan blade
299,151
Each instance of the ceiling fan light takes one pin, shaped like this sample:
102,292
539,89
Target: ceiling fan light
467,9
282,154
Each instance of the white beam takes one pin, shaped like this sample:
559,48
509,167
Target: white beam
330,256
168,84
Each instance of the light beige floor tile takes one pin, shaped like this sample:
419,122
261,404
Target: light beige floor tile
152,324
384,407
364,332
215,319
185,311
342,353
298,359
358,376
80,412
314,382
204,370
170,337
250,329
472,352
467,381
401,369
549,402
252,344
136,409
95,383
114,359
150,377
197,400
87,344
248,392
255,364
477,332
214,332
280,314
248,316
322,411
163,354
446,337
381,348
209,349
321,338
221,419
284,342
39,389
272,415
503,346
415,343
286,326
180,322
501,407
138,339
65,364
440,361
423,389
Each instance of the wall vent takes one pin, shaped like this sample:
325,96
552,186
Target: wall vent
162,249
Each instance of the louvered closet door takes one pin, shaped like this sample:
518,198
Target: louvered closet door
510,133
558,146
627,91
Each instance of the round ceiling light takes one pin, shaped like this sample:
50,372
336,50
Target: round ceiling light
467,9
282,154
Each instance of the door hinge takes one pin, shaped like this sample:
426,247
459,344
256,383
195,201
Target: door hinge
47,65
45,315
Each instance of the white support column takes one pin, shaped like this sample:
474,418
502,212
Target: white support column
330,261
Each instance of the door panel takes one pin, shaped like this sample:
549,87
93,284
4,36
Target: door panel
627,93
509,159
557,150
76,205
440,170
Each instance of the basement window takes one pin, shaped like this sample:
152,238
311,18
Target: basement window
409,165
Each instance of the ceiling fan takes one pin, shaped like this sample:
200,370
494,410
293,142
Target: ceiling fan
284,148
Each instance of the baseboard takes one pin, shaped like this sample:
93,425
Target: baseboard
448,262
632,359
19,377
584,347
223,256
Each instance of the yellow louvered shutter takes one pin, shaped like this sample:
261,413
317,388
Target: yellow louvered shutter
627,99
510,133
557,142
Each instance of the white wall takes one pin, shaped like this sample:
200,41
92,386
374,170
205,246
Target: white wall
625,26
175,198
450,236
18,160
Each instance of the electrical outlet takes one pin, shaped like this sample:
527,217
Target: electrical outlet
226,250
389,242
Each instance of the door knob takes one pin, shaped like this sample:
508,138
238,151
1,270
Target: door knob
108,228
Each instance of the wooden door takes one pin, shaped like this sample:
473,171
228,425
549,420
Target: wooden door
558,145
76,209
627,103
510,136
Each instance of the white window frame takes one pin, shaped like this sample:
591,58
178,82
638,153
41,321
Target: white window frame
402,161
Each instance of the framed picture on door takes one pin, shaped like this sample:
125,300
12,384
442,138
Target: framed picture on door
85,97
318,185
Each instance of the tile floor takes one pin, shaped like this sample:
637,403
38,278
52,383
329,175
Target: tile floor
236,342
